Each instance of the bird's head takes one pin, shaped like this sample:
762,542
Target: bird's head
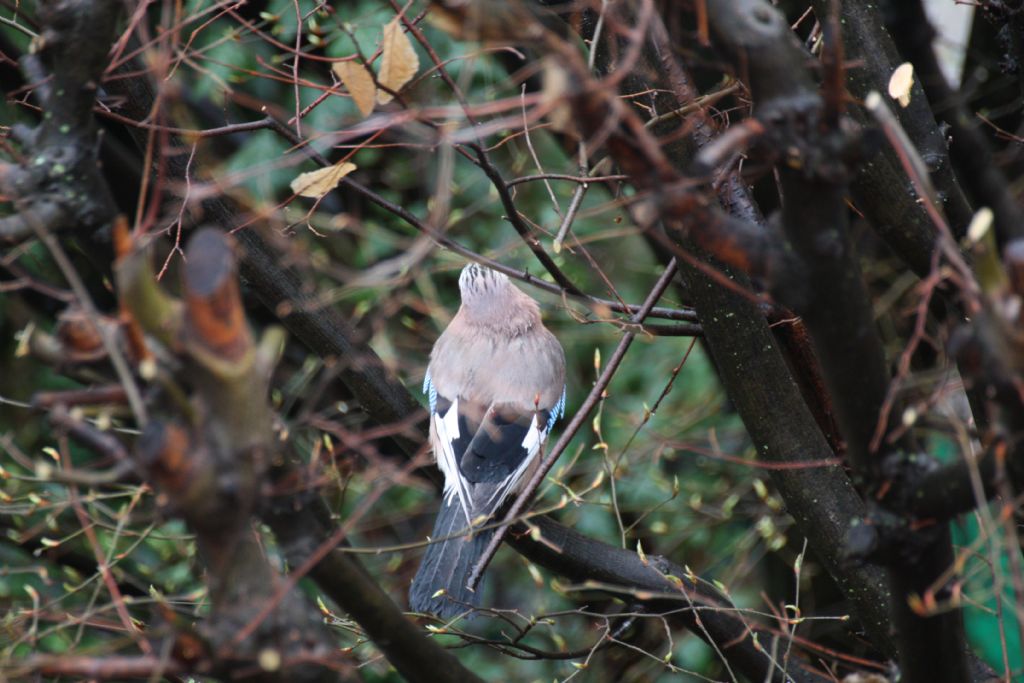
490,299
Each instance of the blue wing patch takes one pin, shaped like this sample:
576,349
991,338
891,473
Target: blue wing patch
557,412
431,392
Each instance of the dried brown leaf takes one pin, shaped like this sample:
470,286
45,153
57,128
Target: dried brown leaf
398,63
317,183
359,83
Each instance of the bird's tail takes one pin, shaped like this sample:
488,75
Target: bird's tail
448,563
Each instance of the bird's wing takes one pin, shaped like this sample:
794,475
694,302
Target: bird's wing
484,451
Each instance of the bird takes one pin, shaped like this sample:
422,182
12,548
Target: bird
495,385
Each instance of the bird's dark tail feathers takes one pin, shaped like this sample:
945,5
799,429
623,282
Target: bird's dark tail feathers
447,564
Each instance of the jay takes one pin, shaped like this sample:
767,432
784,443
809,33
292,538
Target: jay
496,386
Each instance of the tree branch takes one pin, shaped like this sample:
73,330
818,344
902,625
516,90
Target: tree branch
970,149
212,469
300,523
835,304
755,374
60,181
699,607
880,188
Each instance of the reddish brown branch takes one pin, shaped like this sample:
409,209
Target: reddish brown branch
104,668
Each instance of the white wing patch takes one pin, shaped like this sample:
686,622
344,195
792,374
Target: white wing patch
447,429
533,439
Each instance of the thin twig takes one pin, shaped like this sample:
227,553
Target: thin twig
513,217
117,358
684,315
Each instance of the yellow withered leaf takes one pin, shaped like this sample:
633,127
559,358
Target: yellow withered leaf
398,62
317,183
359,83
